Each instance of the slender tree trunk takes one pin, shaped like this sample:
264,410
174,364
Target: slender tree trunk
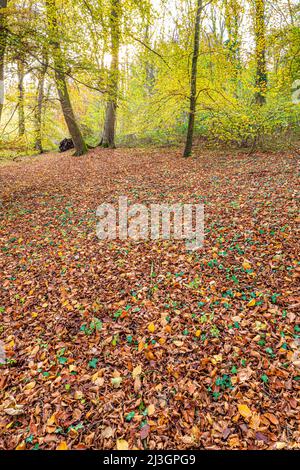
3,40
193,95
21,112
291,12
232,14
39,106
149,69
60,79
108,136
260,53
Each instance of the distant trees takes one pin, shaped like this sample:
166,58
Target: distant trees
86,65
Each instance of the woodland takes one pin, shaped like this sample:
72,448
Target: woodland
145,345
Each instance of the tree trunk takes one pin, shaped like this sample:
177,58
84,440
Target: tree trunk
60,80
108,136
193,95
3,39
21,112
232,16
260,53
149,68
39,106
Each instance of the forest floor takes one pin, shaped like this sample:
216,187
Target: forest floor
139,345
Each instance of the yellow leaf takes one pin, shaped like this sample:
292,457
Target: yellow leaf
62,446
280,445
35,351
255,421
151,328
198,333
51,420
122,444
21,446
151,410
246,265
252,303
234,442
30,386
245,411
137,371
217,358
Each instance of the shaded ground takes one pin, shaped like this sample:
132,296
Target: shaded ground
144,344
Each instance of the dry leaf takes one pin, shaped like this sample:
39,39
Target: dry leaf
151,410
151,327
62,446
122,444
21,446
116,381
137,371
245,411
107,432
16,411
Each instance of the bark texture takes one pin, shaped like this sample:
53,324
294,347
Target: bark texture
108,136
60,79
193,94
260,53
3,41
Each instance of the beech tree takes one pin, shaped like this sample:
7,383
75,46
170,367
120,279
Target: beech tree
39,103
21,111
60,79
260,52
156,74
3,42
108,136
193,95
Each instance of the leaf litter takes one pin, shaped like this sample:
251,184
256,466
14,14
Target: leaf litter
134,345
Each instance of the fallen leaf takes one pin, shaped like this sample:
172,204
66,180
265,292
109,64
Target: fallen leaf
62,446
145,431
122,444
116,381
244,411
151,410
21,446
137,371
107,432
151,327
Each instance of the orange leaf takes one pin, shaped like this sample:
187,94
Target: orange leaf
62,446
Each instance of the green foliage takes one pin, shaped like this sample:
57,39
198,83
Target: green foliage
247,125
154,73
